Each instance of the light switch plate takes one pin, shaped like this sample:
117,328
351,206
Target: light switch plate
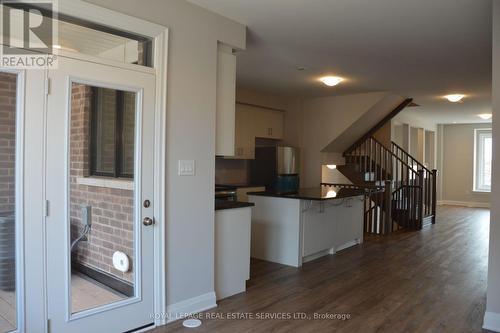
186,168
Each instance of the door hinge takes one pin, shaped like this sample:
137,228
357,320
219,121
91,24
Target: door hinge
47,86
47,208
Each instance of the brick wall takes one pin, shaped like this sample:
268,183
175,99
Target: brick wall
106,136
7,142
112,209
128,135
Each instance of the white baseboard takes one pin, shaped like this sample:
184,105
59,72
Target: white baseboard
470,204
190,306
315,256
492,321
348,245
331,251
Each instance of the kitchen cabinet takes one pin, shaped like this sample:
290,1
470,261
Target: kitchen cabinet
232,251
269,124
331,226
255,122
226,100
291,231
245,136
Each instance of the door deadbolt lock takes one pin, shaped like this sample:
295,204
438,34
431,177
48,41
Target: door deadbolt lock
148,221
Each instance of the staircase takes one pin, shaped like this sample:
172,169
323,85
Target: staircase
406,195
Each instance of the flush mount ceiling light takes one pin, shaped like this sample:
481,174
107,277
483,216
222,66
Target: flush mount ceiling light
331,166
454,98
485,116
331,80
331,194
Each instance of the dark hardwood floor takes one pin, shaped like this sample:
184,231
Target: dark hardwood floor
425,281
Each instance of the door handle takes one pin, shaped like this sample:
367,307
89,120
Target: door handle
148,221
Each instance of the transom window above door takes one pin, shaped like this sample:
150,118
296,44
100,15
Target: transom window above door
75,35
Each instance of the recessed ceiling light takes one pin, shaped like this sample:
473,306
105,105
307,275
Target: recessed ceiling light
301,68
331,80
454,98
485,116
331,166
57,46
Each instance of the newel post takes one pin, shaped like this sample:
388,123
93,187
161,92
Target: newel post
388,207
420,202
434,195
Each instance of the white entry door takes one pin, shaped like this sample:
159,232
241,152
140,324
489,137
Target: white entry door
99,190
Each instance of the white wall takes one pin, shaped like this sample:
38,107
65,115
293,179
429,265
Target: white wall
333,176
409,131
458,165
410,116
492,316
430,149
191,103
323,120
361,121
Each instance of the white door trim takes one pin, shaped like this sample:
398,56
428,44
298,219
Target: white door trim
20,285
160,64
97,14
19,196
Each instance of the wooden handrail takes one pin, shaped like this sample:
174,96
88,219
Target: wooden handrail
407,194
369,187
380,124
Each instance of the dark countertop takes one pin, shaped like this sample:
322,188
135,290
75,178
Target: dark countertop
316,193
225,204
237,186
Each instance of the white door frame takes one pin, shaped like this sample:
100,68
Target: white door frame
159,34
19,196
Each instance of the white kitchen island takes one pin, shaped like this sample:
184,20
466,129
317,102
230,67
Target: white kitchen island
293,229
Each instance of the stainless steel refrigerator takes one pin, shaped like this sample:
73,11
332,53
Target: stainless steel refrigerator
277,168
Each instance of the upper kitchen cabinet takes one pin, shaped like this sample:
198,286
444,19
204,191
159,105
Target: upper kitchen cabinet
255,122
226,100
245,133
269,124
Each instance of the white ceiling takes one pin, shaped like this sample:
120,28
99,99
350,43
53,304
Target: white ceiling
417,48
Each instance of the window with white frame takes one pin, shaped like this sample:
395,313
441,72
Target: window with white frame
482,159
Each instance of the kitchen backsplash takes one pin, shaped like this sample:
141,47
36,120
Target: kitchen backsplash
231,171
